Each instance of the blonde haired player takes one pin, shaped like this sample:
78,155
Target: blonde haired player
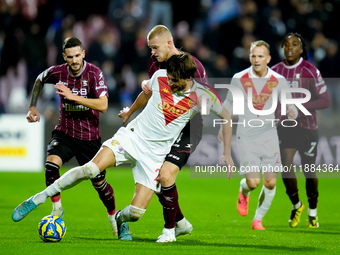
258,146
161,43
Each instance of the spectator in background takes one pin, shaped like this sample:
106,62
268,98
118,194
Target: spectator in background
331,75
34,52
160,13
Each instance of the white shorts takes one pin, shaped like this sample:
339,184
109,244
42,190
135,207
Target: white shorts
129,148
259,154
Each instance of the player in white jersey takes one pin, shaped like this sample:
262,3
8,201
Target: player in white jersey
144,142
257,138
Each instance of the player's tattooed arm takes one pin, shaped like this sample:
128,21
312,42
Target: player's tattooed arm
33,115
37,88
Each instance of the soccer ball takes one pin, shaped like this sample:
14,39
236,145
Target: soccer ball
51,228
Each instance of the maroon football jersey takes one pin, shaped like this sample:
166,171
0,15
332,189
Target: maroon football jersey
200,75
305,75
77,120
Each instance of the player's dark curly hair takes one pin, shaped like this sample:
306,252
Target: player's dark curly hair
71,42
181,66
304,46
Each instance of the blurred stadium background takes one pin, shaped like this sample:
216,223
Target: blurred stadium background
113,33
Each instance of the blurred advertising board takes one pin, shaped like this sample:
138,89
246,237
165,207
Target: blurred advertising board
21,144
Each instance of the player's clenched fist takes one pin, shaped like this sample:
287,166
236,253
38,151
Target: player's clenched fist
33,115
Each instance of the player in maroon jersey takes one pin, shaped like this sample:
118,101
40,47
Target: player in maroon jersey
162,47
83,94
304,137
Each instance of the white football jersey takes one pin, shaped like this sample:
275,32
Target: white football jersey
250,124
166,113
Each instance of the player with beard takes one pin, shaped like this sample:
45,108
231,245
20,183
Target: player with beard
83,95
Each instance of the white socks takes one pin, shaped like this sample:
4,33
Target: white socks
244,187
265,200
69,179
297,206
312,212
130,213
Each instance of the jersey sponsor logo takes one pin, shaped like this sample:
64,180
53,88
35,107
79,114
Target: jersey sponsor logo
75,107
293,84
259,100
171,110
62,82
115,142
175,110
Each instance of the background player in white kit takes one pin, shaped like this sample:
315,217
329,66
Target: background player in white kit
258,146
145,141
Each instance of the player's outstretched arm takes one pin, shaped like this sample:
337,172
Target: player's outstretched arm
227,133
99,104
140,102
33,115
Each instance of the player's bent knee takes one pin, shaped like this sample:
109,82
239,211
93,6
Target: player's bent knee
270,184
90,170
163,178
135,213
99,179
253,183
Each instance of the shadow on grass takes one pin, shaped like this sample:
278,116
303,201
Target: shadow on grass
186,242
308,231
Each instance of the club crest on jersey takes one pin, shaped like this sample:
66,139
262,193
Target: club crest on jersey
271,85
84,83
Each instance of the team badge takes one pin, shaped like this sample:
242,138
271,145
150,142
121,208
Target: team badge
84,83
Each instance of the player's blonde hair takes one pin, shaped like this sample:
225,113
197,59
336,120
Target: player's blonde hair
258,44
159,30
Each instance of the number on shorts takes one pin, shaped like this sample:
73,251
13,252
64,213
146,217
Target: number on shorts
157,178
312,144
278,158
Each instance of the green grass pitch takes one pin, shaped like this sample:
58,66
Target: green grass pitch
209,204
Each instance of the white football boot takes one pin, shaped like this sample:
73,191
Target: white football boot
183,227
113,222
57,209
167,236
